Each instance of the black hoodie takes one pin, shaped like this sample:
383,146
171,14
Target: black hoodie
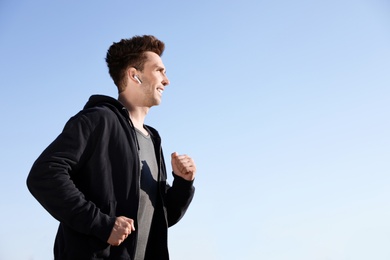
89,175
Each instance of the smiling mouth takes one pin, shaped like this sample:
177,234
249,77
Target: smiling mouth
160,91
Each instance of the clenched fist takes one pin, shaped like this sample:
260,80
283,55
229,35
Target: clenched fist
183,166
122,228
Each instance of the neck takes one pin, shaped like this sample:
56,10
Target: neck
137,114
138,118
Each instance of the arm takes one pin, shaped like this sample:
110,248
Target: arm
51,181
180,195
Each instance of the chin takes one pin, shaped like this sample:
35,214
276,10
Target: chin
156,103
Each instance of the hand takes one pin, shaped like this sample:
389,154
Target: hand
122,228
183,166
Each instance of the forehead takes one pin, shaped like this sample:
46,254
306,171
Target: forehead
153,60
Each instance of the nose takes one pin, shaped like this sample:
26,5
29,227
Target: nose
165,81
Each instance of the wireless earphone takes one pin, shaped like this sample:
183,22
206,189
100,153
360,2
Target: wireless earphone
136,77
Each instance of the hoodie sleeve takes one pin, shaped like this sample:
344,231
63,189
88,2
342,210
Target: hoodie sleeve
179,197
51,181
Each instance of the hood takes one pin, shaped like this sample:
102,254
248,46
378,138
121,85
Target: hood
114,104
98,100
111,103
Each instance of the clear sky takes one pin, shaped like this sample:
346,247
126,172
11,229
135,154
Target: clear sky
284,105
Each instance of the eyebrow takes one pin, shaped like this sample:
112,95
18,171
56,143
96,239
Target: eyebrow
158,67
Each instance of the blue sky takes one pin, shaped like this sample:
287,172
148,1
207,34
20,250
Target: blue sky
284,105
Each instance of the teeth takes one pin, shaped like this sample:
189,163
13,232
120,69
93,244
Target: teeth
160,90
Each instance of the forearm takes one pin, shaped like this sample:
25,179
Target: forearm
179,197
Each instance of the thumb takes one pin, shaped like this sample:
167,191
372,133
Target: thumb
174,154
132,226
131,222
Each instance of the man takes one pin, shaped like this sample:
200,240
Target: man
104,177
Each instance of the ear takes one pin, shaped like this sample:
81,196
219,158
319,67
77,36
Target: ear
131,74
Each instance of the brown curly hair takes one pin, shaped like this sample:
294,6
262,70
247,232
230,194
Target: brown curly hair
130,53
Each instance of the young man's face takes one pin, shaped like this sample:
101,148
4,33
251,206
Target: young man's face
154,80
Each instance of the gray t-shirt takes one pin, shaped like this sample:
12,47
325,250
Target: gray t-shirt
148,192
